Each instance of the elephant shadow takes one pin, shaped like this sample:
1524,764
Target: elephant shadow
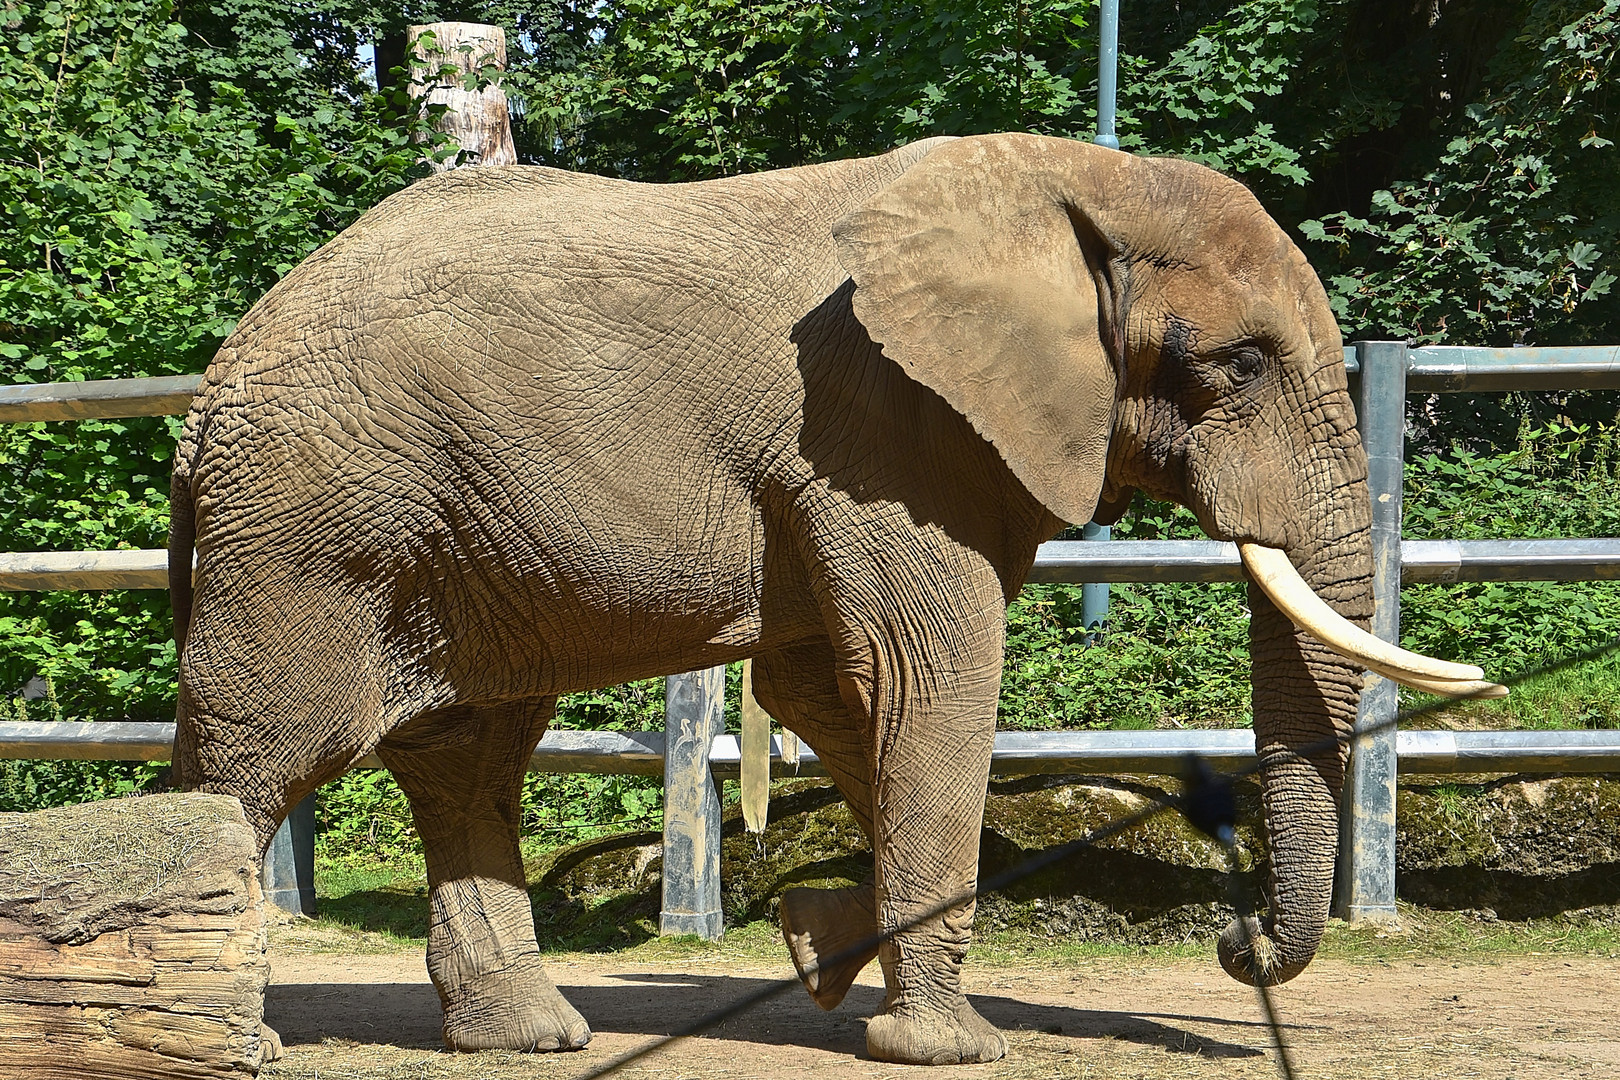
648,1004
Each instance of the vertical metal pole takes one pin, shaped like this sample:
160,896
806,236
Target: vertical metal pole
693,704
1094,594
1367,831
1107,72
289,865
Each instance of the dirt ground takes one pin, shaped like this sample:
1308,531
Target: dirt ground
1525,1018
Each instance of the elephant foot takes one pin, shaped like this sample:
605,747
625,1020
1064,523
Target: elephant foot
516,1008
958,1035
270,1048
830,935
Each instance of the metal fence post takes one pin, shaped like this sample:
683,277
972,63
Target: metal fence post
1107,72
1094,594
1366,886
693,711
289,865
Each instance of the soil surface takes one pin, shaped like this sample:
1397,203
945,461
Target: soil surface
1526,1018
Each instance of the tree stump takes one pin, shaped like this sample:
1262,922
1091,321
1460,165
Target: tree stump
132,941
444,56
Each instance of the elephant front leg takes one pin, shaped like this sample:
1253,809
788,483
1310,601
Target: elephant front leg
933,736
927,869
462,769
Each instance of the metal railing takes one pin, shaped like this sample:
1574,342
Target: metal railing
1017,753
1382,375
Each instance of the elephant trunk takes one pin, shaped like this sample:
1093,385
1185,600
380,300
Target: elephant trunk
1305,697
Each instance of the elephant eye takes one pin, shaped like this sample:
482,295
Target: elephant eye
1246,363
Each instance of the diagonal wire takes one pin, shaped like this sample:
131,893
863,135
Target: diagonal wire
865,946
1200,774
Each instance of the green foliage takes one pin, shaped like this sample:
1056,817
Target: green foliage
957,69
1451,172
1206,101
1176,654
713,84
365,817
1509,232
1562,480
159,172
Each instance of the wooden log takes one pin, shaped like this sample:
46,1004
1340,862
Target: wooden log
132,941
476,119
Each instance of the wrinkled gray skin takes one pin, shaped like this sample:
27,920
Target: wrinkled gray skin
518,433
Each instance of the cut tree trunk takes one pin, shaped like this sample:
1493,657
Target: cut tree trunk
441,65
132,941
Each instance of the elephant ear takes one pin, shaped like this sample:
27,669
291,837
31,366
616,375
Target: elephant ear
983,273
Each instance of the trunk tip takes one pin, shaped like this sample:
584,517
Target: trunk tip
1249,954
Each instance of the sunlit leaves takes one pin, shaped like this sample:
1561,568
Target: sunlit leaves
1511,232
157,175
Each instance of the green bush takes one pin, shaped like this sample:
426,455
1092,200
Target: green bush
158,176
1562,479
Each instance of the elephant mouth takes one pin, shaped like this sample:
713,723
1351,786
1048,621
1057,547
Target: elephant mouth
1272,571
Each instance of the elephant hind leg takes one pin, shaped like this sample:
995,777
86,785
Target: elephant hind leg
462,768
279,694
831,934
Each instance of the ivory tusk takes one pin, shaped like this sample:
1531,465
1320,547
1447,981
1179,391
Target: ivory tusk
1472,689
1276,576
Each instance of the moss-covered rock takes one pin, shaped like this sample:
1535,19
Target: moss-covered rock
1512,848
1158,880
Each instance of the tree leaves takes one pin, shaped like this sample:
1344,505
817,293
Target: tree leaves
147,201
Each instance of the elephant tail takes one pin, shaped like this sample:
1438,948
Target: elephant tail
182,536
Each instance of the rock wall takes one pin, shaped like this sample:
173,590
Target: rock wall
1499,848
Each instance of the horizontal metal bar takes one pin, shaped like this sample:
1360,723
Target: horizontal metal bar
725,759
112,740
1017,753
98,399
1509,751
1136,560
615,753
636,753
1058,561
1510,560
1434,369
1421,560
1449,369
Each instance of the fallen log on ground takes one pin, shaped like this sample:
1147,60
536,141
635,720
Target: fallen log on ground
132,941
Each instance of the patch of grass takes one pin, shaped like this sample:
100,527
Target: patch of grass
387,900
1422,934
382,908
295,934
1463,938
1019,948
1583,696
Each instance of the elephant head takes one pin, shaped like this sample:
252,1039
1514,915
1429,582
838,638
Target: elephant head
1111,322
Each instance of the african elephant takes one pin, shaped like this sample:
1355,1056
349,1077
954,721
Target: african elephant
518,433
